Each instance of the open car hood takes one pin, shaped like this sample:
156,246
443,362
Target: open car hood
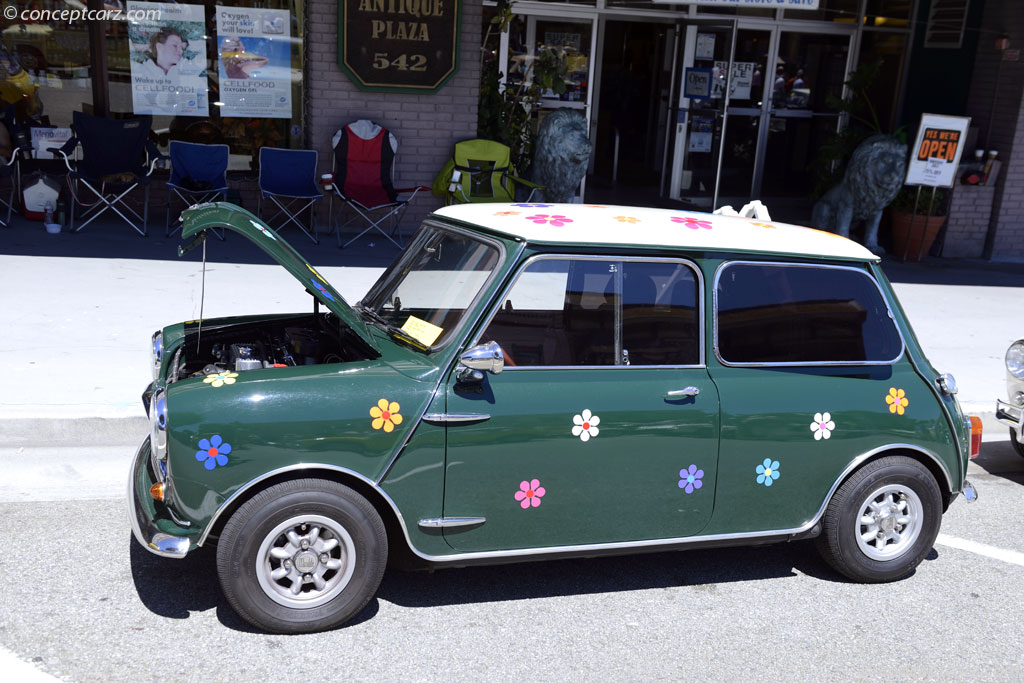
233,217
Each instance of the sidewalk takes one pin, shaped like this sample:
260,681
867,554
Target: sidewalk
79,309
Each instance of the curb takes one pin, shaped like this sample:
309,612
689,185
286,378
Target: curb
56,431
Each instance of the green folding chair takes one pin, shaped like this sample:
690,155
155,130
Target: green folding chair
479,172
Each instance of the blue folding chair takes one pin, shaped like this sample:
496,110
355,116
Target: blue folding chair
199,173
117,157
289,174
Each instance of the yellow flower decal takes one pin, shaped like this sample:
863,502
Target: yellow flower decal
219,379
897,400
385,415
627,219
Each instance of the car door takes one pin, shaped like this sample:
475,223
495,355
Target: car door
603,426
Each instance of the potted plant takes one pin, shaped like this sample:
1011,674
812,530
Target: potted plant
914,229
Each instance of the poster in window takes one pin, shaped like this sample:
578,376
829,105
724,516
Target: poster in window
705,46
254,62
937,150
701,133
742,79
168,59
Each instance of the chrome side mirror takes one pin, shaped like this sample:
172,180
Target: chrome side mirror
484,357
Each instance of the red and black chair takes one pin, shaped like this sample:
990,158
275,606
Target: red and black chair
364,165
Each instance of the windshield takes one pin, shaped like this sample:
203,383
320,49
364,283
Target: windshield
426,293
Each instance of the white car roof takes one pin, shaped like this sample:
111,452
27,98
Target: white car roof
646,227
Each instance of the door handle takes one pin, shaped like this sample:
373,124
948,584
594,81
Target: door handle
680,393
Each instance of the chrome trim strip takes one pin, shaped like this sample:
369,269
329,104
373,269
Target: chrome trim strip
525,552
583,257
802,364
449,522
454,418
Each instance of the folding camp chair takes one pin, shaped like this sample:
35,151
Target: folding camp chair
291,175
198,174
480,171
364,170
117,157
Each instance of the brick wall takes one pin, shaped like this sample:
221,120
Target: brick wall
969,214
995,108
427,126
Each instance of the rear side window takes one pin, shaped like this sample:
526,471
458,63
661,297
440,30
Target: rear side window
782,313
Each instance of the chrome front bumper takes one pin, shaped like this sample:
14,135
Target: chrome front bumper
143,518
1011,416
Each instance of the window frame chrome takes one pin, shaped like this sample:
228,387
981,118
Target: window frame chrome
801,364
700,304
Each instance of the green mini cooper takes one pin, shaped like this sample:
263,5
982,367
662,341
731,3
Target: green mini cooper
532,381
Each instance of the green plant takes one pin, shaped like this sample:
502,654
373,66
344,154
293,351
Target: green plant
904,202
505,111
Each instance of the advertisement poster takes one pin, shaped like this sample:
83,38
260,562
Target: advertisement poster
705,46
701,132
168,60
937,150
254,62
742,80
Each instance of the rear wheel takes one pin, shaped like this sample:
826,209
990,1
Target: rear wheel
301,556
882,521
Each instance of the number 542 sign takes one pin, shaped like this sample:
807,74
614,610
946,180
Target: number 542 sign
399,45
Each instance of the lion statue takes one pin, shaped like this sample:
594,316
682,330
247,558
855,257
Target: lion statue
562,155
873,178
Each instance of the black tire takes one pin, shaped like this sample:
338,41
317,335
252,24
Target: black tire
890,490
1018,447
341,545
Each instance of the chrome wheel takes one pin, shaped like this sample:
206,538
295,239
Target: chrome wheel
305,561
889,522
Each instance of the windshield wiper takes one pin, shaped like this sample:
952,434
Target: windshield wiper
391,329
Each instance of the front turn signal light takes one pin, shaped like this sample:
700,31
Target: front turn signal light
157,490
975,436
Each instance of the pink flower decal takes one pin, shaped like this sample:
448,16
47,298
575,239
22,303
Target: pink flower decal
692,223
556,220
627,219
529,494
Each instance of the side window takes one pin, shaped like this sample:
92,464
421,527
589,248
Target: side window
777,313
564,312
659,314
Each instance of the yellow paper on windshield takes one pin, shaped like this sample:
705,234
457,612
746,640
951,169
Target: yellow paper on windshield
421,330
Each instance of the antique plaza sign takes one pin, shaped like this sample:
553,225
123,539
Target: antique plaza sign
399,45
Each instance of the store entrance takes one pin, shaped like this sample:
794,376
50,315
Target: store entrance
634,92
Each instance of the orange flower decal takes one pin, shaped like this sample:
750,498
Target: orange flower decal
595,206
627,219
764,225
385,415
897,400
506,213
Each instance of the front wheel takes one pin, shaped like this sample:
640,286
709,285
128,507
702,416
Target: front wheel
1018,447
302,556
882,521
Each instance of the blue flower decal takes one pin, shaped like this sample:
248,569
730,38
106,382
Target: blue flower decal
768,472
213,451
691,478
322,290
533,206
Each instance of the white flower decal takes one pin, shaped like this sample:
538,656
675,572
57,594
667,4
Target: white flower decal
822,426
585,425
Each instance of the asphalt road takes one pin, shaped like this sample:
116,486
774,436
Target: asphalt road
81,601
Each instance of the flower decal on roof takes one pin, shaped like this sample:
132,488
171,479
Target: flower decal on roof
691,479
529,494
595,206
764,225
585,425
263,230
555,220
768,472
506,213
533,206
627,219
822,426
692,223
213,452
385,415
897,400
219,379
321,289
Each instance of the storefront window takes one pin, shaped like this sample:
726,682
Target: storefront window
889,49
839,11
888,13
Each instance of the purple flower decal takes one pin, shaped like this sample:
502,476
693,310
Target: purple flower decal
690,479
322,290
213,451
533,206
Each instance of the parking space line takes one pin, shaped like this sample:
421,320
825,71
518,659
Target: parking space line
1011,556
23,671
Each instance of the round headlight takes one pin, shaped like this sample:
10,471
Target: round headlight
1015,359
158,434
158,352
